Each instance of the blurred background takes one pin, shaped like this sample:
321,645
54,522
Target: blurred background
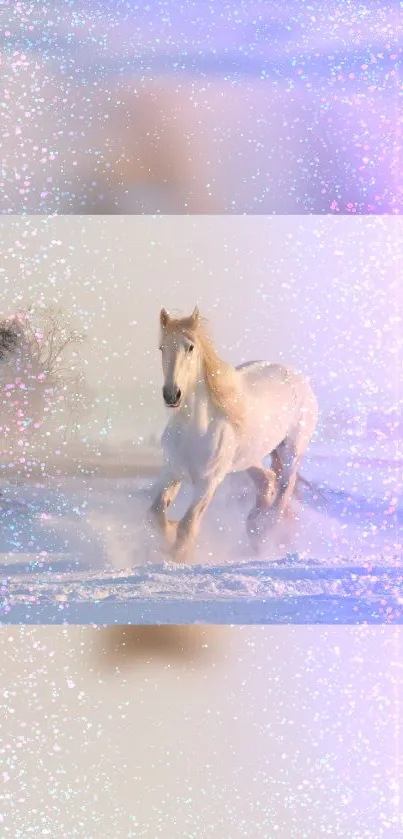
260,107
214,732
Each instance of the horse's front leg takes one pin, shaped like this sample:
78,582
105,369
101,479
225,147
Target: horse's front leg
167,490
189,525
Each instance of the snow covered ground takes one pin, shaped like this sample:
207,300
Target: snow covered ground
74,549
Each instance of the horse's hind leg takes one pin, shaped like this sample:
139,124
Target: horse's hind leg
265,484
285,460
287,456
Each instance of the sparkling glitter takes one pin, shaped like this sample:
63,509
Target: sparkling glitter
82,414
293,734
262,108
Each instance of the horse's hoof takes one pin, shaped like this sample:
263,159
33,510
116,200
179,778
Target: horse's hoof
179,558
180,554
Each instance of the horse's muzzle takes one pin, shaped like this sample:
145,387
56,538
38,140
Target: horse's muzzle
172,396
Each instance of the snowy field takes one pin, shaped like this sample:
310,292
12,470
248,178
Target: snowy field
74,549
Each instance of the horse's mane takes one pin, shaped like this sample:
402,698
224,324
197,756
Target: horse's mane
219,376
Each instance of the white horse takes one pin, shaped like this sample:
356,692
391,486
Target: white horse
227,419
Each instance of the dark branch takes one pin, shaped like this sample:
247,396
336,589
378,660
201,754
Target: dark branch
8,339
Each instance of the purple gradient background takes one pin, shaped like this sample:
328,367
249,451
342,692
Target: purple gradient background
266,107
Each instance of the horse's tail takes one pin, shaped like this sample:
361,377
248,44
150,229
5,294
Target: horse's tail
303,482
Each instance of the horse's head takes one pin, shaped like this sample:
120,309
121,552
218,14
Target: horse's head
181,356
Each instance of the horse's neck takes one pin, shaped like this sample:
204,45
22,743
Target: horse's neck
199,409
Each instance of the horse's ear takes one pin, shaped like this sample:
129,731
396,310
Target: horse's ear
164,318
195,315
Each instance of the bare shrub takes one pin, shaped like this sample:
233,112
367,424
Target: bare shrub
42,382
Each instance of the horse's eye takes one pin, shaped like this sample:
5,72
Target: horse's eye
190,347
160,349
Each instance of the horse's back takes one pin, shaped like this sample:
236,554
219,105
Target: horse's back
281,386
257,372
